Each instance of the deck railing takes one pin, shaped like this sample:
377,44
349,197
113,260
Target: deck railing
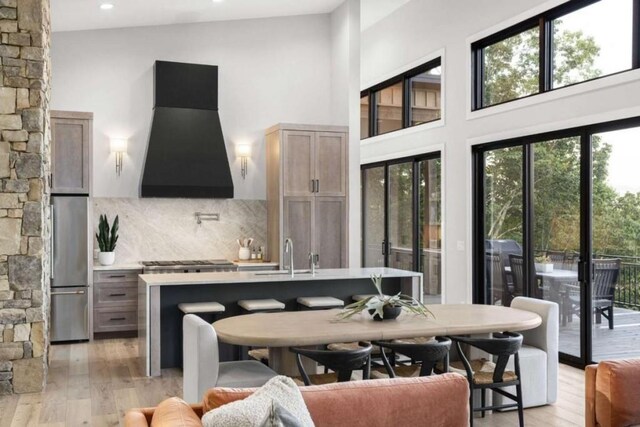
627,294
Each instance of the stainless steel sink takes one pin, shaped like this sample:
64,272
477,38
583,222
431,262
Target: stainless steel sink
282,273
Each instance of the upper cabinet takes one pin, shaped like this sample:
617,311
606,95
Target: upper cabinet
307,193
71,134
314,163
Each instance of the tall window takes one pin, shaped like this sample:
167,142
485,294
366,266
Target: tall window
409,99
575,42
401,213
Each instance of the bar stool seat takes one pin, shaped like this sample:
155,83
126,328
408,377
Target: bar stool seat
320,302
261,304
360,297
201,307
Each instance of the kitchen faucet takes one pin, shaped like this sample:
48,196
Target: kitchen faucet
288,249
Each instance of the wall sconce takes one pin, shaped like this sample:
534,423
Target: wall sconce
243,151
119,147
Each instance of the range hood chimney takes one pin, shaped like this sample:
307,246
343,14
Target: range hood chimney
186,156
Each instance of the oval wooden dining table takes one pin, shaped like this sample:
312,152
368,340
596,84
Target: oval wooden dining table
279,331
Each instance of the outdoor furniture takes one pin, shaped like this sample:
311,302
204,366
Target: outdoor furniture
202,368
558,258
428,354
605,279
342,362
499,285
486,375
517,273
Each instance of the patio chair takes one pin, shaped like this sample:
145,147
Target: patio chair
497,278
558,259
605,279
517,274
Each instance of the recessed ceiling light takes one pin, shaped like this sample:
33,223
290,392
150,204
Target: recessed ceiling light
106,6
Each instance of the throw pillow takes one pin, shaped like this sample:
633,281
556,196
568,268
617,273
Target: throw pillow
175,412
251,412
280,417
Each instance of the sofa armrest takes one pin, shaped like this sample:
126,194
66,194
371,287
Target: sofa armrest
141,417
590,395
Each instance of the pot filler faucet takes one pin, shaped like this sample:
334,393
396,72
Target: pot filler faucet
288,249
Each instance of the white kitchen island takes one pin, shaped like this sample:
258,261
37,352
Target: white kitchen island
160,320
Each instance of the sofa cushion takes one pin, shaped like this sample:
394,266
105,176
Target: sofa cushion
254,409
175,412
618,393
280,417
444,400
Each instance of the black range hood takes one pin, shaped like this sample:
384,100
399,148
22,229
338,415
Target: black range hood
186,156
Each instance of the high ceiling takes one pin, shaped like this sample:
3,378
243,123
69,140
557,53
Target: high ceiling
73,15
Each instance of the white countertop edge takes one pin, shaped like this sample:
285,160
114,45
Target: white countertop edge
116,267
255,264
173,279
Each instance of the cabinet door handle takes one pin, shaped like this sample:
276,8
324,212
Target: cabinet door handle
117,276
317,185
118,318
117,295
313,185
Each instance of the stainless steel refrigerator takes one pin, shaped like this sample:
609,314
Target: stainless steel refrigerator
70,268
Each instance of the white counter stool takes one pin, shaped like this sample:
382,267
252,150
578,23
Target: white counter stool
268,305
319,303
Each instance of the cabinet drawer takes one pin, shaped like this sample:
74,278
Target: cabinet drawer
109,320
116,276
115,294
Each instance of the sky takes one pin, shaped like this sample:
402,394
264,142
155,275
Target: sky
613,34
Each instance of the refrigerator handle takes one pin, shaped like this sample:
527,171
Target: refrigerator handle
52,257
68,293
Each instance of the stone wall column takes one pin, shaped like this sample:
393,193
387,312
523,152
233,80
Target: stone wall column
24,194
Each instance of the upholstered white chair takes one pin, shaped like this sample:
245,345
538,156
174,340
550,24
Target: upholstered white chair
202,368
538,355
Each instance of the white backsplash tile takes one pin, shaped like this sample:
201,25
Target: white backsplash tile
166,229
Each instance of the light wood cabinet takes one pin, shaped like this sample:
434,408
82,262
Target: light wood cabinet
307,181
115,301
71,134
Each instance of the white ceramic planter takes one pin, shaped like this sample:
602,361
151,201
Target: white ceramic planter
107,258
544,268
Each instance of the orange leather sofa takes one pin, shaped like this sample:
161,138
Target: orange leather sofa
441,400
612,394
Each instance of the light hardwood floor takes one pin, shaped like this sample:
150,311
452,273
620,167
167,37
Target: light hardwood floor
93,384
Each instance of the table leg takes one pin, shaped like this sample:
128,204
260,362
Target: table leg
283,362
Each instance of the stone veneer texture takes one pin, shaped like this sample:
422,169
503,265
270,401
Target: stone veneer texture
166,229
24,194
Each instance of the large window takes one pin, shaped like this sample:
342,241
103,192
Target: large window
556,218
401,213
575,42
406,100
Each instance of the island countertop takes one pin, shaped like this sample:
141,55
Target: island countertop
176,279
160,319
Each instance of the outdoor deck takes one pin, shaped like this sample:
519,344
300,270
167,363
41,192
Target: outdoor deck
620,343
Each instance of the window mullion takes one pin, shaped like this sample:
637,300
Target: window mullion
546,54
635,44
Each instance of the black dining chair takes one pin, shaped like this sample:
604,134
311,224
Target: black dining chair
342,362
427,355
605,280
486,375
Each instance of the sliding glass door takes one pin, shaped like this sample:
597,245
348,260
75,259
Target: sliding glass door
401,213
556,218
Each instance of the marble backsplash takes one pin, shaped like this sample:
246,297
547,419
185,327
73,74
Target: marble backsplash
166,229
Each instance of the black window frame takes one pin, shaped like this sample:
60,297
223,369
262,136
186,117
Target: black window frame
406,96
544,21
527,142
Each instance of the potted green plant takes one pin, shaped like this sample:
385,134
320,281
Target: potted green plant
385,307
107,238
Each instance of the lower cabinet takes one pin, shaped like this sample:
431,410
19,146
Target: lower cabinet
115,301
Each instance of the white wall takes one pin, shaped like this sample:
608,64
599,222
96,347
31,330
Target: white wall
423,27
271,70
345,105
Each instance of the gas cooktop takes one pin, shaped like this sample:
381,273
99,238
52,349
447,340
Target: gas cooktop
187,263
